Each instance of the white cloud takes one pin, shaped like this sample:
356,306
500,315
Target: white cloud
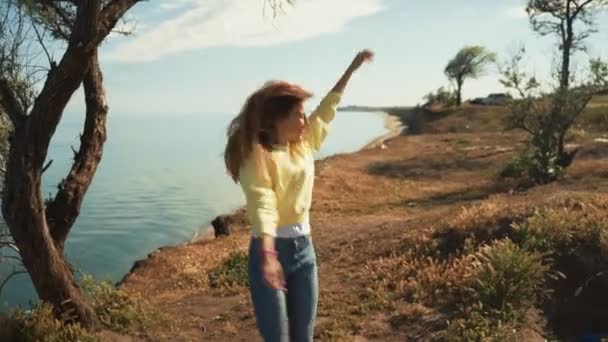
207,23
175,4
516,12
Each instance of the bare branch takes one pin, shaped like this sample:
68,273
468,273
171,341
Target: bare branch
41,42
277,6
47,166
63,81
64,209
110,15
63,18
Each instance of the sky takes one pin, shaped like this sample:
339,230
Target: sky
206,56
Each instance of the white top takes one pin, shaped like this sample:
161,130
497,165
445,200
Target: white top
290,231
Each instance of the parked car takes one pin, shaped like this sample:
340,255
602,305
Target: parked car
478,101
496,99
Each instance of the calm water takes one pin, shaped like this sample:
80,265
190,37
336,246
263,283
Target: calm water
161,181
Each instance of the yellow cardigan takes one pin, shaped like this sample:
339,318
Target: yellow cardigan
282,194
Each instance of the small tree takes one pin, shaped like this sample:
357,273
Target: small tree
469,62
548,116
599,71
441,96
534,111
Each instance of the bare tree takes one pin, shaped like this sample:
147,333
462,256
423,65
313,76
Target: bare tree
560,18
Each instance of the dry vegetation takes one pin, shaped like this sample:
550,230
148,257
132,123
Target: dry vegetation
422,241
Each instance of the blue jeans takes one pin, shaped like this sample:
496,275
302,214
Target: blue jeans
286,316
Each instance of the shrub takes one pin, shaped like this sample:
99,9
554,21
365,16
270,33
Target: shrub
510,278
232,273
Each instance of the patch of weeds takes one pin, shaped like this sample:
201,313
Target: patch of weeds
233,273
118,311
40,324
518,168
463,142
510,278
479,326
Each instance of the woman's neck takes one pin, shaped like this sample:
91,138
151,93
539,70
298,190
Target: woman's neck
281,140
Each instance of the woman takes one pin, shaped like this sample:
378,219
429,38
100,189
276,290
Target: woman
270,151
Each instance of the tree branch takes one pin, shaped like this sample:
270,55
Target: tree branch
46,167
41,42
580,7
110,15
276,6
63,81
10,103
63,17
65,208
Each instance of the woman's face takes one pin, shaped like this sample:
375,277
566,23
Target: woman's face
292,127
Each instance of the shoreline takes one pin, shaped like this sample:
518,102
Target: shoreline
395,126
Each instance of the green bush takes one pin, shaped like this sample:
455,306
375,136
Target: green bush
517,168
510,278
441,96
509,282
232,273
118,311
575,229
594,118
481,327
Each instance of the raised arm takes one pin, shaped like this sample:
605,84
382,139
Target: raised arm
360,58
318,122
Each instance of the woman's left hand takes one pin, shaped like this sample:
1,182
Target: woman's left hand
362,57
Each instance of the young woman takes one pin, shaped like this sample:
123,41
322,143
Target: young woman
270,152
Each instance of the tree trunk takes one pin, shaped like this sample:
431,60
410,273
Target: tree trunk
23,210
567,41
565,67
459,92
40,233
22,204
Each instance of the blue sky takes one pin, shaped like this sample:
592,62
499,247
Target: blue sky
206,56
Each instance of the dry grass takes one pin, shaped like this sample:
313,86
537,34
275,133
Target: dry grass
404,233
119,314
